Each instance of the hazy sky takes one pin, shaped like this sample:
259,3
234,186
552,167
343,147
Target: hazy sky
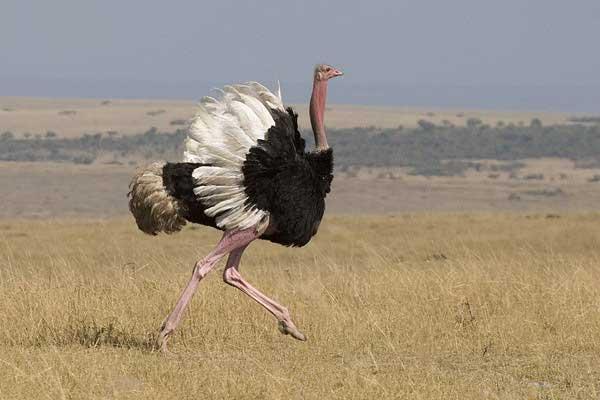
173,48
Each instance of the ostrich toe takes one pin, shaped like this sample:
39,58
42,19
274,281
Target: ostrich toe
290,329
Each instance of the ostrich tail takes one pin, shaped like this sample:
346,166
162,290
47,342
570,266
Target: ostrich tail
154,208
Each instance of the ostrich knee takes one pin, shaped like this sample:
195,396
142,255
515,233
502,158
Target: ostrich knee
232,277
204,266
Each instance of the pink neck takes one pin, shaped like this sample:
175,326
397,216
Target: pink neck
317,113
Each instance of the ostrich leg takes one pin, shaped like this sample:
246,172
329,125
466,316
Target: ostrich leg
232,276
229,242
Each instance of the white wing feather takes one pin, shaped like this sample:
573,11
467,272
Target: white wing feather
221,134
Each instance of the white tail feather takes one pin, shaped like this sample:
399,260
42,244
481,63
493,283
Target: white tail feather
221,134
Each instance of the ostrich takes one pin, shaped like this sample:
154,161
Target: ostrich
245,172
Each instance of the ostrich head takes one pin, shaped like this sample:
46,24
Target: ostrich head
323,73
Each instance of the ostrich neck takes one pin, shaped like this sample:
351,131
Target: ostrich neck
317,113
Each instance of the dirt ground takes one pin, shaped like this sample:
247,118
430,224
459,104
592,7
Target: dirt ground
42,190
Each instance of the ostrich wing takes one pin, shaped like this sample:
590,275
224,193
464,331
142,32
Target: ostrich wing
220,136
291,184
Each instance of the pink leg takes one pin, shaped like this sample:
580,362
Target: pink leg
232,276
229,242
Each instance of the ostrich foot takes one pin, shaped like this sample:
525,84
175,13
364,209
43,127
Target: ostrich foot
290,329
161,341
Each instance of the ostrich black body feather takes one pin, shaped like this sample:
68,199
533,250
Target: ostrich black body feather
279,177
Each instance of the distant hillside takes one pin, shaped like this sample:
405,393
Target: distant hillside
73,117
429,149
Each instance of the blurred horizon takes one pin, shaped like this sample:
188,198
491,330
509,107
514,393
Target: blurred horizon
550,98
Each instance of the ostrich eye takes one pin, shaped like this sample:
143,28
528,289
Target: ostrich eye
327,69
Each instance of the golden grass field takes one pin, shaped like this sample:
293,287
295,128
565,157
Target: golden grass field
73,117
419,306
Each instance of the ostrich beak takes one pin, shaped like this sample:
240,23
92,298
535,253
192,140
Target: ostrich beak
337,72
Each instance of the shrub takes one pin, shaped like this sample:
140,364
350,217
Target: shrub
425,125
535,123
5,136
585,119
595,178
534,177
473,122
548,192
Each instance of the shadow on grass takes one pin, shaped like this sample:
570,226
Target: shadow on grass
92,335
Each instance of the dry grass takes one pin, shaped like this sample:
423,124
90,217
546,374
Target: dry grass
431,306
73,117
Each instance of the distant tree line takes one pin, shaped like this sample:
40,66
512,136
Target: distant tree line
428,149
89,147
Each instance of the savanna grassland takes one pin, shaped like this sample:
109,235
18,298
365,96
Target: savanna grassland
420,306
459,259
